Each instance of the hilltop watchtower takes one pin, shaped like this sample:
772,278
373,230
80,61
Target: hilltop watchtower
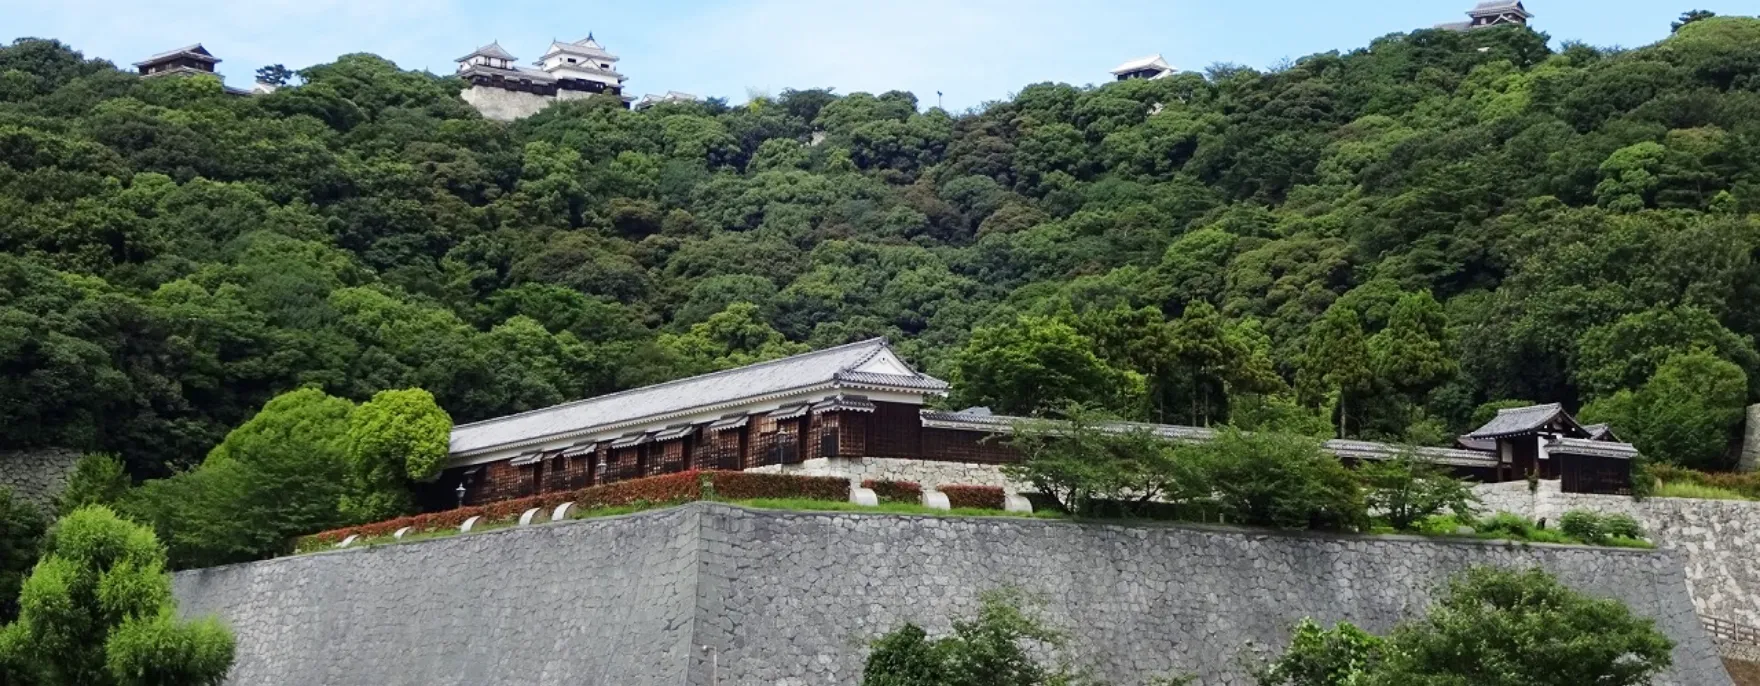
189,59
1490,14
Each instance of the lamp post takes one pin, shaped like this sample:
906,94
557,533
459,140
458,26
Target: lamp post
460,493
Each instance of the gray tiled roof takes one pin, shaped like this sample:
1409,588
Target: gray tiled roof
1498,6
491,50
195,50
1366,450
1600,432
1517,420
517,73
831,367
1360,450
1581,446
1470,443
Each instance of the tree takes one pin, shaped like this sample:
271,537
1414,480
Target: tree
1686,414
394,440
274,75
21,529
1626,352
98,611
1412,354
1497,627
1090,465
1282,481
1215,359
733,337
282,474
1039,364
96,479
1335,363
1407,489
1690,17
1341,656
1491,627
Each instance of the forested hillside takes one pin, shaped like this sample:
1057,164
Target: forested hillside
1396,235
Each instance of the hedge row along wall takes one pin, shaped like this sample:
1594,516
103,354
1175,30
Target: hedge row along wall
975,497
669,489
895,491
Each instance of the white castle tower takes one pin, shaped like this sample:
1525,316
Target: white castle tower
503,90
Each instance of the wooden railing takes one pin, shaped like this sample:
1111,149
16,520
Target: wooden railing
1725,631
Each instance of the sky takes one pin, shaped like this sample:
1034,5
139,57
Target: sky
972,51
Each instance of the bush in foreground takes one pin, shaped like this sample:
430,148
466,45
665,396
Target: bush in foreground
98,611
1491,627
994,648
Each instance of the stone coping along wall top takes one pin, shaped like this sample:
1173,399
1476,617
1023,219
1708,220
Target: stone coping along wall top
710,592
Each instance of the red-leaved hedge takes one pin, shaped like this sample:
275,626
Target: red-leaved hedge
979,497
895,491
748,486
657,490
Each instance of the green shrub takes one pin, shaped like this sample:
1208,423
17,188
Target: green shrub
1408,488
1506,524
1318,656
98,611
1549,536
998,646
21,530
1284,481
97,479
1442,525
1622,526
1696,492
1582,525
1501,627
1087,460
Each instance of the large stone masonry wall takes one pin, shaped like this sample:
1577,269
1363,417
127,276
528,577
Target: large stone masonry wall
714,594
1719,540
591,602
36,475
501,104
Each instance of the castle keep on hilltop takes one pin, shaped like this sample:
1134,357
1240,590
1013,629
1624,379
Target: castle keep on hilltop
858,411
1492,13
501,89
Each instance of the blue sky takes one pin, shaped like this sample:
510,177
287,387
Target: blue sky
972,50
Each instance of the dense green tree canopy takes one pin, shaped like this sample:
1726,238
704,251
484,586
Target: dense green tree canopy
98,611
172,257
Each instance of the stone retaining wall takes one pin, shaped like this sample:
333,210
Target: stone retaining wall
927,473
715,594
1719,540
36,475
